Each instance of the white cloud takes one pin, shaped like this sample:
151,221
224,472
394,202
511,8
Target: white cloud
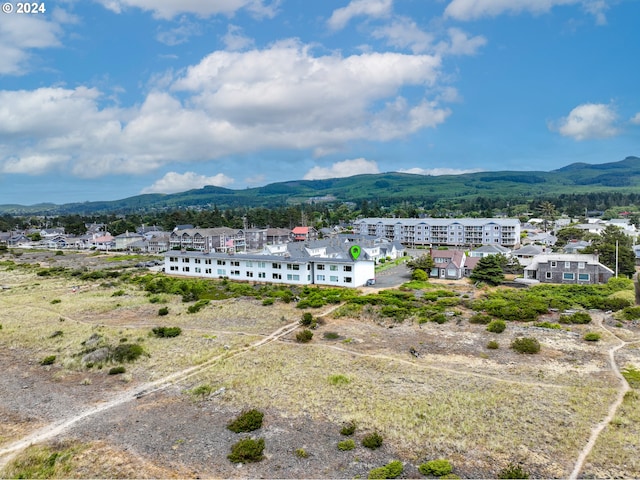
461,44
403,32
230,103
588,121
168,9
180,33
234,39
635,119
346,168
474,9
19,34
434,172
371,8
174,182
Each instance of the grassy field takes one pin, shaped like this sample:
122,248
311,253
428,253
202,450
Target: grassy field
480,408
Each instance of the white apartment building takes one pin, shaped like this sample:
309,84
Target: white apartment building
444,231
336,272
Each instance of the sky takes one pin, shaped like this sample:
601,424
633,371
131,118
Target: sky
106,99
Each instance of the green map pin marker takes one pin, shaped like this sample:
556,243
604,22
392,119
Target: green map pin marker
355,252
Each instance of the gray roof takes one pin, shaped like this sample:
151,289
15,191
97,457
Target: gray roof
256,257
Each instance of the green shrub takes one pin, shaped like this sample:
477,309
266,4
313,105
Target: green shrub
48,360
513,471
127,352
163,311
419,275
201,391
247,421
156,299
346,445
439,318
526,345
166,332
247,450
592,336
339,380
579,318
196,307
496,326
437,467
372,441
268,301
632,376
301,453
630,313
59,252
55,300
331,335
307,320
304,336
117,370
118,293
480,319
348,429
57,333
553,326
391,470
493,345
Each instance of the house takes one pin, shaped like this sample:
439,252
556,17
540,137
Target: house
126,241
542,238
303,234
278,236
159,242
103,242
526,254
207,239
255,238
469,264
486,250
449,264
575,246
584,269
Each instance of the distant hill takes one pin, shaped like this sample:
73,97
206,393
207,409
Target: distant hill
623,175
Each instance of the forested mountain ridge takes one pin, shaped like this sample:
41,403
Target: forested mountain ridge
384,188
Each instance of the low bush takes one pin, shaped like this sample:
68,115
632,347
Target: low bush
301,453
481,319
513,471
127,352
592,336
247,450
196,307
156,299
579,318
268,301
339,380
117,370
496,326
331,335
346,445
493,345
304,336
553,326
348,429
307,319
247,421
55,300
372,441
437,467
391,470
526,345
201,391
48,360
118,293
166,332
163,311
632,376
630,313
57,333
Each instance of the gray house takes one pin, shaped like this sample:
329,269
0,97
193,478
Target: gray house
567,268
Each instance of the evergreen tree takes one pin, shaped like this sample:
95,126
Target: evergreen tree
605,246
488,270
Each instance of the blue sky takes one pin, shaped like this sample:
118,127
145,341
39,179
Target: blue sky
105,99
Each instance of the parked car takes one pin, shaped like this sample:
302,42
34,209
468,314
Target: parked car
370,282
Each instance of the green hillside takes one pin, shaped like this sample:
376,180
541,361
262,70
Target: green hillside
622,176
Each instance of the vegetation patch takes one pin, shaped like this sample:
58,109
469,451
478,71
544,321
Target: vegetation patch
247,421
513,471
436,468
50,360
196,307
304,336
247,450
496,326
372,441
391,470
127,352
43,461
493,345
526,345
346,445
339,380
166,332
632,376
117,370
592,336
348,429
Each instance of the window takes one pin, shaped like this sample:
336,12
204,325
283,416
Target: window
185,260
249,263
581,265
185,269
333,268
347,268
221,262
554,264
235,272
583,277
235,263
262,264
547,275
173,259
262,275
567,264
197,269
320,278
197,260
222,271
207,270
333,278
207,261
173,268
250,274
347,280
295,278
293,266
320,267
568,276
276,266
276,276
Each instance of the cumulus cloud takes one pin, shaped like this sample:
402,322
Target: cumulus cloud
346,168
168,9
461,44
370,8
180,33
20,34
636,119
474,9
435,172
403,32
588,121
174,182
282,97
235,40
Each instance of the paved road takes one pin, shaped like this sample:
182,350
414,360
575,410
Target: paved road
393,277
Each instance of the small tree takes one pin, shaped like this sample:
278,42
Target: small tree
419,275
424,262
488,270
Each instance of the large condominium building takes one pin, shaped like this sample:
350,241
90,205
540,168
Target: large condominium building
337,272
466,232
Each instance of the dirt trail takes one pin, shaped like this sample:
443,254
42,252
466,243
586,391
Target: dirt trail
53,430
624,388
